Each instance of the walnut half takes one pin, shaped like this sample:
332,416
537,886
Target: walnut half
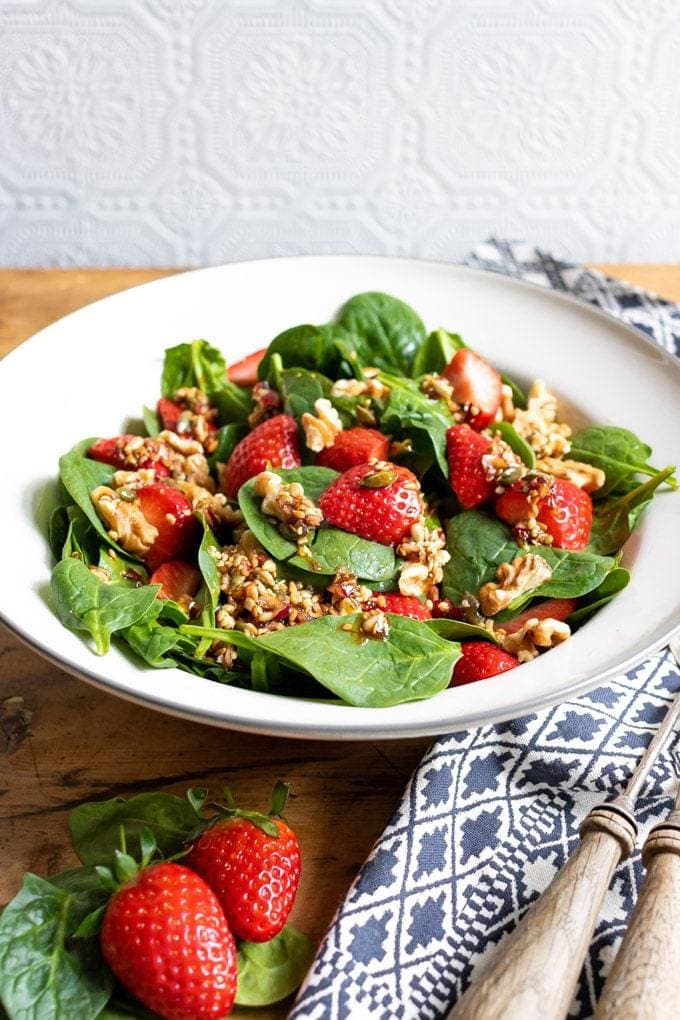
524,574
536,636
124,520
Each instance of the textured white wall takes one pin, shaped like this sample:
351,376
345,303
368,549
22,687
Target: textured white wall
185,132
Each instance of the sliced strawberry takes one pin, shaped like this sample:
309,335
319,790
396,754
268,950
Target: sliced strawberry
476,386
566,512
171,514
445,609
112,451
273,443
176,578
244,372
354,446
402,605
479,660
550,609
169,413
378,501
466,470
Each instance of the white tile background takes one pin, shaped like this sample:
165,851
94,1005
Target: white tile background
186,132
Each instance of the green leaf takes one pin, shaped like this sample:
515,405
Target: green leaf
157,644
314,480
95,827
387,331
152,422
412,663
83,602
618,452
615,581
518,396
300,389
121,569
227,438
478,544
209,595
199,364
71,534
408,409
458,630
271,971
515,442
614,520
304,346
43,974
436,352
80,475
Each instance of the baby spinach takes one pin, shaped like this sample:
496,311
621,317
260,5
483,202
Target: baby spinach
71,534
227,438
304,346
618,452
152,422
314,480
518,396
387,332
515,442
436,352
300,389
271,971
412,662
209,595
157,644
46,974
84,602
478,544
615,581
614,520
458,630
121,569
408,408
200,364
80,475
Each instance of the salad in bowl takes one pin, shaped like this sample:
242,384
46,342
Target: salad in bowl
361,511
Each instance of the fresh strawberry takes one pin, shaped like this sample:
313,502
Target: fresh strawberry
378,501
273,443
252,863
553,609
166,939
479,660
244,372
402,605
169,413
476,386
112,451
171,513
354,446
177,578
466,470
565,511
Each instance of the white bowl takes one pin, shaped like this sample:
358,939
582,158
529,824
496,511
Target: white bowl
89,372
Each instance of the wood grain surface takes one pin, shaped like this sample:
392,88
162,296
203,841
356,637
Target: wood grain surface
62,742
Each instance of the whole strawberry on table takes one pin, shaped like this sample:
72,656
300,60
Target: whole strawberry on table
360,511
180,908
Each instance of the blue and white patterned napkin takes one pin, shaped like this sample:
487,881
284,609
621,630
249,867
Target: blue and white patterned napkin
491,815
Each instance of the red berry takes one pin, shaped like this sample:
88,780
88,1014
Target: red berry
466,470
254,876
166,939
354,446
169,413
176,578
445,609
172,515
566,512
244,372
476,386
112,451
554,609
480,659
273,443
402,605
378,501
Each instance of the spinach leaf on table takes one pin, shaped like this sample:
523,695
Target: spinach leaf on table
618,452
46,974
409,409
615,581
271,971
80,475
84,602
387,332
614,520
200,364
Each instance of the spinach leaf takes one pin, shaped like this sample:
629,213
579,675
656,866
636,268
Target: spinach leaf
122,570
332,548
615,581
515,442
457,630
80,475
95,827
44,973
152,422
271,971
199,364
305,346
83,602
227,438
387,331
314,480
71,534
618,452
209,595
436,352
518,396
613,521
299,389
408,408
157,644
478,544
413,662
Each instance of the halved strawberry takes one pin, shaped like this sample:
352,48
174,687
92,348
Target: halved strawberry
273,443
354,446
378,501
466,472
479,660
476,386
566,512
169,413
172,515
176,578
244,372
402,605
553,609
112,451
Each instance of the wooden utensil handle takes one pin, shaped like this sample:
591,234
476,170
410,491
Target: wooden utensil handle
534,971
644,983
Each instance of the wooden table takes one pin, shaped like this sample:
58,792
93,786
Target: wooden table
63,743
